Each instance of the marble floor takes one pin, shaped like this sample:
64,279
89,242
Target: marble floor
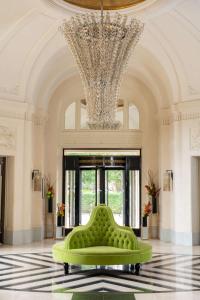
28,272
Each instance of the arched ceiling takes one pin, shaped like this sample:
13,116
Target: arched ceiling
34,58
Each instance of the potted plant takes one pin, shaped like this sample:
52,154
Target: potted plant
145,229
152,191
60,214
147,212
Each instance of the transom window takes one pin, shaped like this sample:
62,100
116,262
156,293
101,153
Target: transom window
76,116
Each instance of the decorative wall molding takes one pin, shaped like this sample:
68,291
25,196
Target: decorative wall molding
22,111
7,138
195,138
192,90
180,116
10,90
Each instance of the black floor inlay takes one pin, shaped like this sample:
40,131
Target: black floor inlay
37,272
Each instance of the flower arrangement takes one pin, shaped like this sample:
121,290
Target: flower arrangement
147,212
60,209
147,209
151,187
50,189
152,191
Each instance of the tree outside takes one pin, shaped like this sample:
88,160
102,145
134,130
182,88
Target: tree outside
114,186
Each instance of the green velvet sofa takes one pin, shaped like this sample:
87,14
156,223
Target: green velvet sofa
102,242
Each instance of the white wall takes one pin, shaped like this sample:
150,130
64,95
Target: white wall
23,213
180,135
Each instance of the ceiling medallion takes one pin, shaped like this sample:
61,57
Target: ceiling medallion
101,45
108,4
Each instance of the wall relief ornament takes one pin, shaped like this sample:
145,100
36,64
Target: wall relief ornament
192,90
10,90
7,138
195,138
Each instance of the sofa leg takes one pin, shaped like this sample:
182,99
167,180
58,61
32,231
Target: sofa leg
137,269
132,268
66,268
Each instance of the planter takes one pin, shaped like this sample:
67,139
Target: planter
50,204
144,221
145,228
60,221
154,205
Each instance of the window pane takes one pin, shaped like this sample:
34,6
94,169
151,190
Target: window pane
84,116
134,190
69,199
133,117
70,116
87,194
114,193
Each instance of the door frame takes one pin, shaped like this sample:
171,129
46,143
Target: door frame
2,197
128,166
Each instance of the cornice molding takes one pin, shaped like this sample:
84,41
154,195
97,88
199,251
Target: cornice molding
180,116
22,111
182,111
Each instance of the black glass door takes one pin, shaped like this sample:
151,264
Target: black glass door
89,181
101,185
89,193
2,196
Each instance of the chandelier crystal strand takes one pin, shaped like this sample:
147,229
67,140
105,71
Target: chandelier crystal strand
101,45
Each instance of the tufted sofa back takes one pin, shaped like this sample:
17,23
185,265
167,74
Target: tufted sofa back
101,230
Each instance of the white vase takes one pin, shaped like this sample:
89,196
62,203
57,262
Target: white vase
145,233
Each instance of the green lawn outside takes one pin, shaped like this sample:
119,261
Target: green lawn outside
115,201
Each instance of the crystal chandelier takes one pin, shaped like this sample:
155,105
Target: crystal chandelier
101,45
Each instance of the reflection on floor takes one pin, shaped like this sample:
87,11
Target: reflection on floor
31,270
103,296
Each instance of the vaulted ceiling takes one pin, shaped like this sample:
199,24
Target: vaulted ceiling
35,60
